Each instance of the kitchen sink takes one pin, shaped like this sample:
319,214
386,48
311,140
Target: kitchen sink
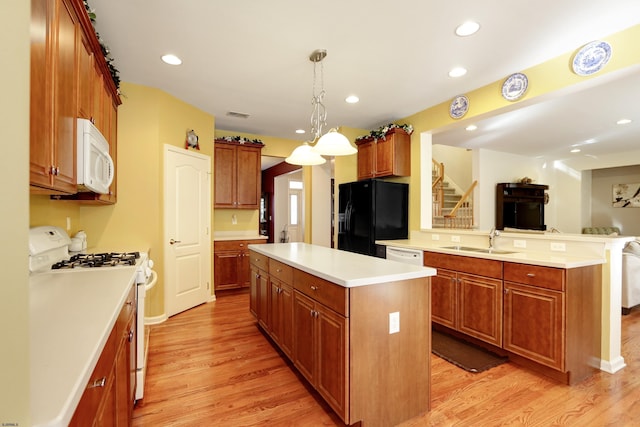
482,250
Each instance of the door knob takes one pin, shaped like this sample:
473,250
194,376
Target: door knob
171,242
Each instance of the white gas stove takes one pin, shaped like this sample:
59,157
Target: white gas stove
49,254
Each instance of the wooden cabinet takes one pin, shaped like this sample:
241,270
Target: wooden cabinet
339,336
469,298
53,106
237,175
552,317
259,292
385,157
280,278
109,396
321,350
231,263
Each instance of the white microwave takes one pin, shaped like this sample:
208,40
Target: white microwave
95,166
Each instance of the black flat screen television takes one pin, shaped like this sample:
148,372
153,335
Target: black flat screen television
524,215
520,206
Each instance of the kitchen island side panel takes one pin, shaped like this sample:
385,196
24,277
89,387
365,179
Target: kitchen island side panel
390,374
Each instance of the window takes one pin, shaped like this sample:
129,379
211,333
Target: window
293,209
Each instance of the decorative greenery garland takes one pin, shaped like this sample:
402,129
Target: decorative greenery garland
240,139
105,49
381,133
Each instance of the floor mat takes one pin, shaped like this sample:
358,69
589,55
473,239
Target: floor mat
464,354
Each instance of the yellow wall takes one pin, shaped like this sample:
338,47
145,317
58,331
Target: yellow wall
14,212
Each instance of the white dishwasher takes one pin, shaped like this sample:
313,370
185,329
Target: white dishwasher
408,256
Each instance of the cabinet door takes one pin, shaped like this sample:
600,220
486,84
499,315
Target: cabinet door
304,352
226,268
534,323
384,157
264,298
244,275
285,304
444,298
248,177
65,101
366,160
225,176
253,290
85,78
332,353
480,308
276,312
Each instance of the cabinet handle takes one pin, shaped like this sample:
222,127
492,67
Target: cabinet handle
57,170
131,335
98,383
278,270
257,276
313,313
314,288
531,275
129,302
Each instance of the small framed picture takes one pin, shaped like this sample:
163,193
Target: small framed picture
626,195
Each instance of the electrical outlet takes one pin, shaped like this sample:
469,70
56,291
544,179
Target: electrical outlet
435,237
394,322
68,223
558,247
519,243
455,239
234,219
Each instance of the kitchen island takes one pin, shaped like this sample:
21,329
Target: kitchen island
358,328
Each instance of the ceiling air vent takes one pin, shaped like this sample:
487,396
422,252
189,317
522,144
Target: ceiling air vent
237,115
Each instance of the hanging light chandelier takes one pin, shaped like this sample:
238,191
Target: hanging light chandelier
333,143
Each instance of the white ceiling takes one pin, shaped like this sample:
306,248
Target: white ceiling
252,57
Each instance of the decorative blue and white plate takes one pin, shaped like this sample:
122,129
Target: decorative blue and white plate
591,58
515,86
459,107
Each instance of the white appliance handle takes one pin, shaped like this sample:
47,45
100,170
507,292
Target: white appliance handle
152,282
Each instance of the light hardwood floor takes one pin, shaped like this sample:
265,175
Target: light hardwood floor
212,366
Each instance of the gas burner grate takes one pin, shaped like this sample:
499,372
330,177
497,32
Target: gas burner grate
107,259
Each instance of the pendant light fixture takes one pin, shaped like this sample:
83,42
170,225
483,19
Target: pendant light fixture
332,143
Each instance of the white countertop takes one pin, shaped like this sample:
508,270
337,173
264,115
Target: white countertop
71,315
219,236
522,256
341,267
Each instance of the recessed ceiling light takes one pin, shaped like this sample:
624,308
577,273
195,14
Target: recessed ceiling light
352,99
301,131
623,121
171,59
575,150
467,28
457,72
471,127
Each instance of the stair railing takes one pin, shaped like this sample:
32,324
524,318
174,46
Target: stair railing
461,216
437,187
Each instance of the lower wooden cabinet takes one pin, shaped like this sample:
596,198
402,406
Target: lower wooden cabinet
468,303
108,398
231,263
338,339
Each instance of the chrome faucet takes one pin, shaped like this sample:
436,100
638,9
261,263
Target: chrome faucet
492,235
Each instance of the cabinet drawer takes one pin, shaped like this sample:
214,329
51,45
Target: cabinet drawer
259,260
333,296
282,271
464,264
98,384
535,275
234,245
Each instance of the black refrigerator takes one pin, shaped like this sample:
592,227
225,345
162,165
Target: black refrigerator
371,210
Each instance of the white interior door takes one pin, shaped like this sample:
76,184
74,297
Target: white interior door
187,214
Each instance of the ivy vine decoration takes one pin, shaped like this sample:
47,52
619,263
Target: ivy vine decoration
105,49
241,140
381,132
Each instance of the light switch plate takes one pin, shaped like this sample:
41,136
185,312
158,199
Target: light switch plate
435,237
519,243
455,239
394,322
558,247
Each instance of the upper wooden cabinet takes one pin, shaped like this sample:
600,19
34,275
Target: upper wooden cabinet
53,104
66,60
385,157
237,175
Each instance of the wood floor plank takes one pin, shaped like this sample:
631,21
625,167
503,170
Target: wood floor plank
212,365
